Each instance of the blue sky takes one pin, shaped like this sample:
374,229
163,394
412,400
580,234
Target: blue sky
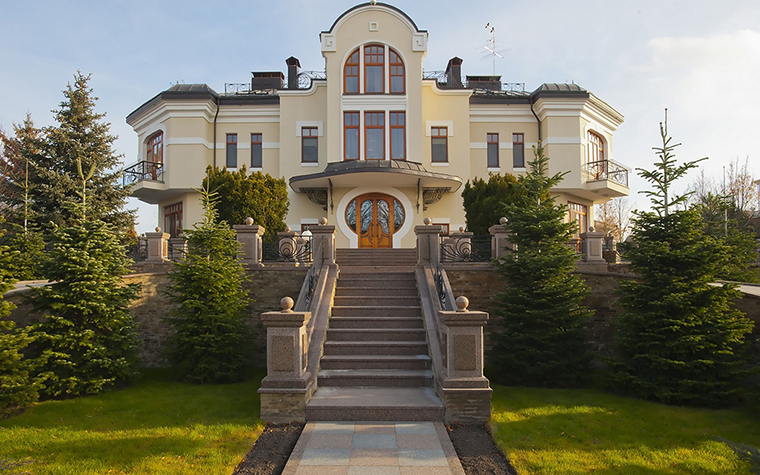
698,58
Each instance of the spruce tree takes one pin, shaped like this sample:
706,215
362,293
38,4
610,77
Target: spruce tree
484,201
80,136
680,341
207,288
541,338
87,340
17,388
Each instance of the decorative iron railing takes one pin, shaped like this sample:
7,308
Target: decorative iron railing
606,170
138,252
305,78
142,171
286,249
310,282
448,81
465,248
444,295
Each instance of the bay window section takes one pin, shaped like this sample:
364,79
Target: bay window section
351,135
374,69
397,73
374,135
398,135
351,74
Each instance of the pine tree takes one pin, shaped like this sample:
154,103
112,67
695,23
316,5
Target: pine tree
87,341
81,135
484,201
16,386
541,339
207,287
679,339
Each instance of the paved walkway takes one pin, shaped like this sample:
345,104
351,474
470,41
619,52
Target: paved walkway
374,448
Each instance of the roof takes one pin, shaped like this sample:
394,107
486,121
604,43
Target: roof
379,4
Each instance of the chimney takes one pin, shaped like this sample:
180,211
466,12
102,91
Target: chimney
293,67
454,73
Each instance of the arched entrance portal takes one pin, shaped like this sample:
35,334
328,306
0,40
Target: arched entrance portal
375,217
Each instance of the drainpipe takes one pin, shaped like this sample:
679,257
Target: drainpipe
537,119
215,117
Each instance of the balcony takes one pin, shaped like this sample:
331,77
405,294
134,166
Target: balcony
606,170
143,171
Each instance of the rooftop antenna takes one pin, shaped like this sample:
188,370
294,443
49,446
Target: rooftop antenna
490,46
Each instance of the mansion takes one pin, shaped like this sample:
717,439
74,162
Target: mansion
374,142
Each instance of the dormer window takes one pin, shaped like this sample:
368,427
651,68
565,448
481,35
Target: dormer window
374,63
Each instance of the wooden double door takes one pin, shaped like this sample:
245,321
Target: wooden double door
375,217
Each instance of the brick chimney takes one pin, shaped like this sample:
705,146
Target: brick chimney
293,67
454,73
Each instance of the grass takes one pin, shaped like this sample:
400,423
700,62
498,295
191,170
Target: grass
156,426
551,431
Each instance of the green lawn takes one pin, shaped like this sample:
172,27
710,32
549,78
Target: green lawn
549,431
155,426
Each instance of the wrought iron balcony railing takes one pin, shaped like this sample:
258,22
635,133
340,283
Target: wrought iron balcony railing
142,171
606,170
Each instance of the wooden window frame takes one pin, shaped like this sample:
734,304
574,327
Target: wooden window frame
492,149
155,148
346,72
346,128
231,150
518,143
174,209
595,152
396,69
379,52
368,125
395,115
575,211
309,134
257,144
439,133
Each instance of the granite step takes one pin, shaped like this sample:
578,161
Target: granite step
410,291
385,378
374,404
408,362
376,334
376,322
384,311
375,301
375,348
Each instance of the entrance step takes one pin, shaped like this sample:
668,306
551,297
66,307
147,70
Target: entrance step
401,362
396,291
375,347
376,257
386,378
386,311
374,300
375,322
374,404
376,334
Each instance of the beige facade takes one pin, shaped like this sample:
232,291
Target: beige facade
373,143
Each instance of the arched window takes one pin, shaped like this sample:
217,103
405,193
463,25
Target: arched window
374,69
351,73
595,148
397,73
155,152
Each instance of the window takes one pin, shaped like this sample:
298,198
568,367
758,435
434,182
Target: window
231,150
595,148
398,135
155,153
256,152
493,150
439,144
309,145
518,151
578,215
374,68
351,135
351,73
173,219
374,135
397,73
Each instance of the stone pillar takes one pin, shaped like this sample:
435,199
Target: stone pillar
500,243
324,235
592,246
457,246
466,392
158,246
287,245
288,386
249,237
179,248
428,242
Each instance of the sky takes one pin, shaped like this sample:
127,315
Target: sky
699,59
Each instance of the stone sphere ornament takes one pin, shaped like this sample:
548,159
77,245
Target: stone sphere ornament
287,304
462,303
427,221
503,220
249,221
158,229
322,221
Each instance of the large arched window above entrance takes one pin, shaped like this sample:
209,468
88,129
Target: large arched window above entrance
367,68
375,217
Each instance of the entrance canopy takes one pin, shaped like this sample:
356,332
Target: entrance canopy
396,173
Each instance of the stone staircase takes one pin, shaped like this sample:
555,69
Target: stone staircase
375,364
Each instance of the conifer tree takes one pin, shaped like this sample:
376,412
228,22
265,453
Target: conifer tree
87,341
80,136
680,341
484,201
541,339
16,386
207,287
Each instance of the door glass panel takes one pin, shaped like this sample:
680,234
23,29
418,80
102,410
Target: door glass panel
351,215
383,216
366,215
398,215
